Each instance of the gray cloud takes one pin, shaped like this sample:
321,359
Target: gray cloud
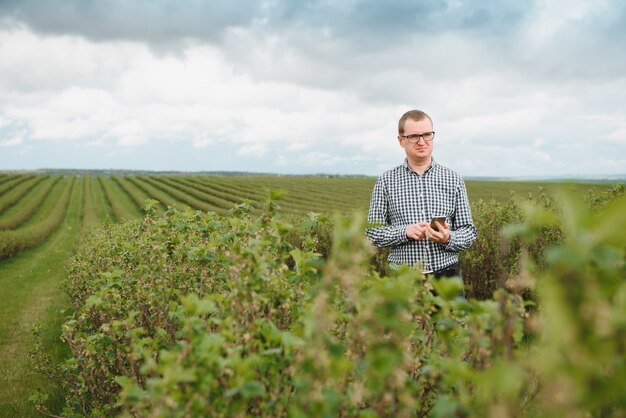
531,81
167,20
149,21
357,36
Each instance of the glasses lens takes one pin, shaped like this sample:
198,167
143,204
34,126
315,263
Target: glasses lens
428,136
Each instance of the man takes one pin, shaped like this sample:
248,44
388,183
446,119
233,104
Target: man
406,197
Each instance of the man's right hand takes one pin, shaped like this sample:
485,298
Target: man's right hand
416,231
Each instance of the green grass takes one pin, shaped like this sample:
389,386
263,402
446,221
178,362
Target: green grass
136,195
103,209
12,181
117,201
12,196
32,295
501,190
30,204
311,193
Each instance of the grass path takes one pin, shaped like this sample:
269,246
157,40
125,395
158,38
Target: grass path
31,294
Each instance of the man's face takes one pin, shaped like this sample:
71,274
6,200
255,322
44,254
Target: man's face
421,150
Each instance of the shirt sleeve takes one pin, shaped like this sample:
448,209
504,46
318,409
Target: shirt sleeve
383,234
462,231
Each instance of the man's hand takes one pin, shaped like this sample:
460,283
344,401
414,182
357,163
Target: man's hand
416,231
441,235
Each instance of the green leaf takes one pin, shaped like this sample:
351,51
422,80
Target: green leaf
448,288
523,231
130,389
195,306
249,389
306,262
252,389
445,407
93,301
271,351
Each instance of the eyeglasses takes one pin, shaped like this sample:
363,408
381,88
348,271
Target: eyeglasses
413,138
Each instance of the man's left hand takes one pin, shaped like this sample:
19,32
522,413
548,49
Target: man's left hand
442,235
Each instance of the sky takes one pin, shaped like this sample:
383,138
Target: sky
531,88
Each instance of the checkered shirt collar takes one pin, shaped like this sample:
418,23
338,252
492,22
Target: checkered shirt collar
433,165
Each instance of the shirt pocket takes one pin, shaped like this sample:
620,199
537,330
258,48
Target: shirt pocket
443,204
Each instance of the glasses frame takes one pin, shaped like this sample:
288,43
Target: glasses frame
415,138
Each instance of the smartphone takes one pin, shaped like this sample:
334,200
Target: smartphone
440,219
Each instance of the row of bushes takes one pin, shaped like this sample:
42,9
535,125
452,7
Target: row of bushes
17,240
191,314
9,199
29,207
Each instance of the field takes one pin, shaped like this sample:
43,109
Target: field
43,219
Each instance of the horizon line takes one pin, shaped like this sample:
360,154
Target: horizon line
553,177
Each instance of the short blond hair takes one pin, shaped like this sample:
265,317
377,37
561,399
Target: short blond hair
415,115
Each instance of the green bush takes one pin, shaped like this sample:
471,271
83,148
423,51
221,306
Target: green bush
495,259
580,358
597,199
192,314
492,260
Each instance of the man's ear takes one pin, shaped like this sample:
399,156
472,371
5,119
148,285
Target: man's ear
400,141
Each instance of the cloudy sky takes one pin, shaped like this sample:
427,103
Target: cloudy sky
526,88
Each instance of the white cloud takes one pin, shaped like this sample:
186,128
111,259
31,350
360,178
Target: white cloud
618,136
13,141
257,150
553,15
130,133
542,156
147,97
297,146
34,63
97,143
202,141
514,99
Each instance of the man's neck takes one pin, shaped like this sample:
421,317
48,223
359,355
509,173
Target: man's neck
420,166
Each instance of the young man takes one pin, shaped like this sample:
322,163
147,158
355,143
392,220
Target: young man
407,197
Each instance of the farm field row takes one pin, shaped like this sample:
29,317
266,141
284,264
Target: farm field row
31,291
33,206
43,217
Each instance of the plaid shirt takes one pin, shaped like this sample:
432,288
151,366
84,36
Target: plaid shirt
402,197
